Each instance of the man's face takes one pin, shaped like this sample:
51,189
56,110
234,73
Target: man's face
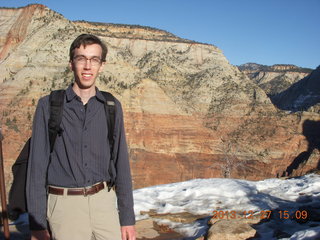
86,65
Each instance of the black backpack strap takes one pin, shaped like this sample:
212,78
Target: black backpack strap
110,110
56,100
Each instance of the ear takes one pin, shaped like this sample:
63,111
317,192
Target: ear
71,66
101,67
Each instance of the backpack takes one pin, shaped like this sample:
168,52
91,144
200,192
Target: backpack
17,195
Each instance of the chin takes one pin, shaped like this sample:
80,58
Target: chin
86,84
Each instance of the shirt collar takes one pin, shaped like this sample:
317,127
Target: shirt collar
100,96
71,94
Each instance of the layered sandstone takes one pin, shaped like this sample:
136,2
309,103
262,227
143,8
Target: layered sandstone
188,112
276,78
302,95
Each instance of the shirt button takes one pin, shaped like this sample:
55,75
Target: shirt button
86,164
85,146
85,128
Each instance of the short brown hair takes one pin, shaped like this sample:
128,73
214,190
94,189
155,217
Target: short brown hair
88,39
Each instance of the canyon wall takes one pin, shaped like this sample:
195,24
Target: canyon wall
188,112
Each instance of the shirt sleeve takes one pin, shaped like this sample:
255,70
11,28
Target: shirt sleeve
123,177
37,167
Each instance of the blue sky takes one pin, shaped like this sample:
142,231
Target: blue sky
261,31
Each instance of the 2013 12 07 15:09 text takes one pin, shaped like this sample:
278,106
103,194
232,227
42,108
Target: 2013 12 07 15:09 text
263,214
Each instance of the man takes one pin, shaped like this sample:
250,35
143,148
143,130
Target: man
80,159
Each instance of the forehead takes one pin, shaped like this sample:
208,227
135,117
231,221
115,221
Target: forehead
89,50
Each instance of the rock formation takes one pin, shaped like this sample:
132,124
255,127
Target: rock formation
274,79
236,229
188,112
302,95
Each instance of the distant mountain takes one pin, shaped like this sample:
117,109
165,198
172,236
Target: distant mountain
276,78
289,87
273,68
303,95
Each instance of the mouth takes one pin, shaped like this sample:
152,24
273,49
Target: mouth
86,75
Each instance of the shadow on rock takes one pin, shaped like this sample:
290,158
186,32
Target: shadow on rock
311,130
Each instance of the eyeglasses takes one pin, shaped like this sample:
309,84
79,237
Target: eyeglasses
82,60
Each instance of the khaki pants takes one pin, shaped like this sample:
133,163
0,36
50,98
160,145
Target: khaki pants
84,217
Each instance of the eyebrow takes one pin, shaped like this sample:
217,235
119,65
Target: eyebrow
86,56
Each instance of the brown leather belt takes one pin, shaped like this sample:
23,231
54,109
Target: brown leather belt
77,191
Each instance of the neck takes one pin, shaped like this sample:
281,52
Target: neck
84,93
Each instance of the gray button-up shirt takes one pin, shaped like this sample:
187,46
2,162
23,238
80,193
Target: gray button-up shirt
80,156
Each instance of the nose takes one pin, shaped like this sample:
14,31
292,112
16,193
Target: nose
88,64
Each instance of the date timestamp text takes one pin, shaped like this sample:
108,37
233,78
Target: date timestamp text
265,214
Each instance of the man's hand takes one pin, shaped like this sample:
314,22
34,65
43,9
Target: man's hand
128,233
40,235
